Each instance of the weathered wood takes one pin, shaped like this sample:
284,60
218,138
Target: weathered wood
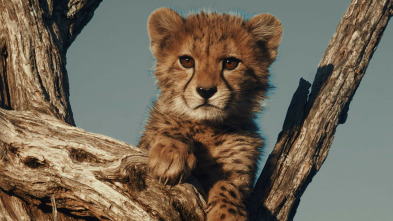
88,175
304,143
34,38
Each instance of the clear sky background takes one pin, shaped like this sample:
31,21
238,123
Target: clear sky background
111,86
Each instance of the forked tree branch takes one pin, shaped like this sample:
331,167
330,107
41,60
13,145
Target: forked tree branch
44,161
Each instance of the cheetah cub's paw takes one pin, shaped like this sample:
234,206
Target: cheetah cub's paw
170,160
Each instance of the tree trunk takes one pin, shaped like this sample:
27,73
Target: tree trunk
34,37
50,170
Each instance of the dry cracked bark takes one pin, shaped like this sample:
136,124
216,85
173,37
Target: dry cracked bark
46,162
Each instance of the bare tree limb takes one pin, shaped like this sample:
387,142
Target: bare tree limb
43,160
309,128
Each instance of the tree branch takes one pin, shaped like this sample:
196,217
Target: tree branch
309,128
87,175
71,16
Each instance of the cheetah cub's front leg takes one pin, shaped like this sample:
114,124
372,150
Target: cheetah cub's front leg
225,202
170,160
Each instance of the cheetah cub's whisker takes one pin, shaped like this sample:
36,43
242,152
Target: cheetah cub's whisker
212,72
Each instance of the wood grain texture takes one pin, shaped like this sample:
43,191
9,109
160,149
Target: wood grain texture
308,132
88,175
34,38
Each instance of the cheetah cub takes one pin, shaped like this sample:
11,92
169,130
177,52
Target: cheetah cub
212,72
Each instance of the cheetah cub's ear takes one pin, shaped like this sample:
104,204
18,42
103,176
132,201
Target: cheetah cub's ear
162,23
267,30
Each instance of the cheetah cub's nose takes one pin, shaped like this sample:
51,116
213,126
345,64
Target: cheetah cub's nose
206,92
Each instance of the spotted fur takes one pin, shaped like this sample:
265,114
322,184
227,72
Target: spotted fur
203,121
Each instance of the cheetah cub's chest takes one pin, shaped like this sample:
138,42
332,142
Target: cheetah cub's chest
212,72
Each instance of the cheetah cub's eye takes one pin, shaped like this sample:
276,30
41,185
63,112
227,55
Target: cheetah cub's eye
230,63
187,61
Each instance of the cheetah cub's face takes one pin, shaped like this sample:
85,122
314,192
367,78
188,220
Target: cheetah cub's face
211,66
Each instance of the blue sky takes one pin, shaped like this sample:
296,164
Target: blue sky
111,86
